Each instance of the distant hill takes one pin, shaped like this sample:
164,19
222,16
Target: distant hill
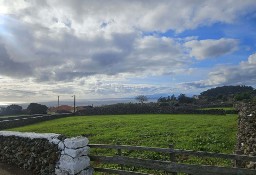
225,92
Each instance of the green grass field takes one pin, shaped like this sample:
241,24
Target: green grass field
196,132
212,133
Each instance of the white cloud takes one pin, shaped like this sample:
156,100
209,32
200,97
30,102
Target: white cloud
202,49
252,59
87,16
65,57
75,43
244,73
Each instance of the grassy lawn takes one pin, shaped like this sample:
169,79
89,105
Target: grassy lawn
196,132
213,133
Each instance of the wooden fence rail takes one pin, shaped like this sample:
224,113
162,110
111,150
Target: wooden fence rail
170,166
177,151
173,167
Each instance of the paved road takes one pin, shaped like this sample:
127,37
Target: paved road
12,170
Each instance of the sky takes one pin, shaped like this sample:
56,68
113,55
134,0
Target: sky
99,49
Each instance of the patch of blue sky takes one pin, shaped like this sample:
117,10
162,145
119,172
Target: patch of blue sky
223,60
214,31
244,30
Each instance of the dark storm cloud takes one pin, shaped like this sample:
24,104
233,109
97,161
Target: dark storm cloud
11,68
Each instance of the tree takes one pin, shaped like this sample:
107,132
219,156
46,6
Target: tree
35,108
13,110
225,91
243,96
182,98
141,98
2,110
162,100
173,98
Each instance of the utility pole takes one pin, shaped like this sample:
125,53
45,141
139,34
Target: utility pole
58,101
74,103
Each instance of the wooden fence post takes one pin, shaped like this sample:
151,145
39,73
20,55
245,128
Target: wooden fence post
119,153
172,156
238,163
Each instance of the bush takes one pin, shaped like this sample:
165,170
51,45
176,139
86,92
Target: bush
12,110
35,108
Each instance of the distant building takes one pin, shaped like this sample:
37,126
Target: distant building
81,108
61,109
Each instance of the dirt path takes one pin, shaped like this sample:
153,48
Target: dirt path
12,170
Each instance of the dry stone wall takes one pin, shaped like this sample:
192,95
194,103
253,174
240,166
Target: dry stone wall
11,122
246,137
120,109
46,154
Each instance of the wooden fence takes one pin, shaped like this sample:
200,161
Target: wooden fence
172,166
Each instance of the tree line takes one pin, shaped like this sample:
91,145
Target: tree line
218,95
33,108
230,93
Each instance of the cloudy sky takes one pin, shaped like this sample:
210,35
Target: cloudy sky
119,48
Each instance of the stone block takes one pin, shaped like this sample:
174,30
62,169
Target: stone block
55,141
61,146
61,172
77,152
76,142
73,165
